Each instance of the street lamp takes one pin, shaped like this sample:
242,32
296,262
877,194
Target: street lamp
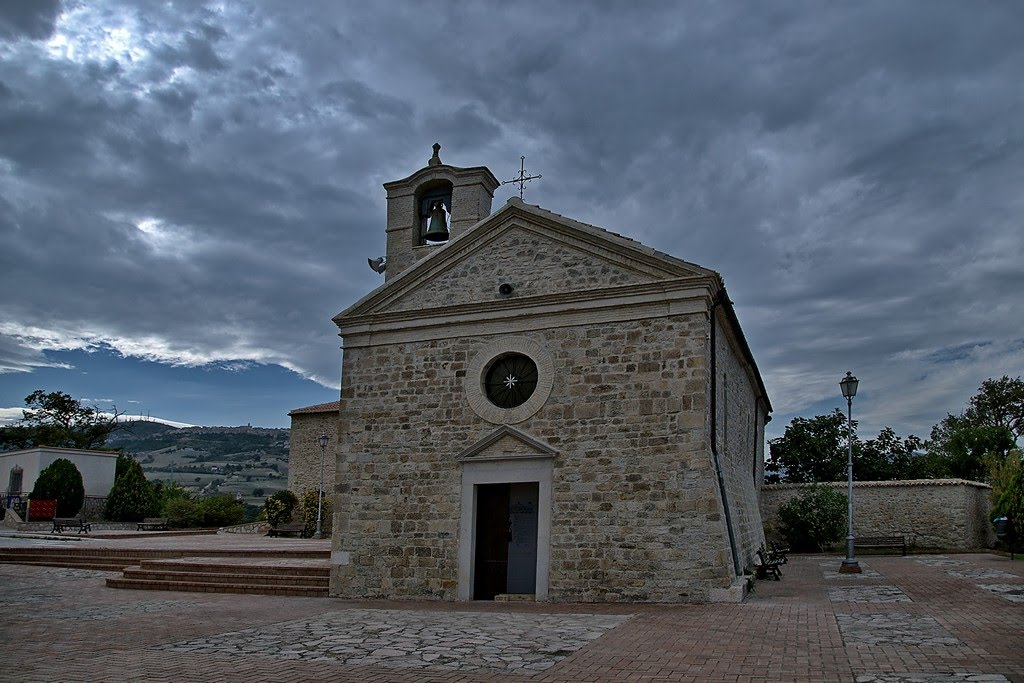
849,388
324,440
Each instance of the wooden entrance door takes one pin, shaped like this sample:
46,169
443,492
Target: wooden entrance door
492,536
506,540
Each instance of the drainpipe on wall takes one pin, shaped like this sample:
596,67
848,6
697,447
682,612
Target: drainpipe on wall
714,433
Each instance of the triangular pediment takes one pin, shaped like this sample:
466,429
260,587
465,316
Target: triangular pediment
536,252
507,443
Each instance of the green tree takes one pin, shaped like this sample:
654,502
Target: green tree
999,403
308,511
56,419
1008,492
889,457
132,498
278,507
60,481
815,518
810,450
967,445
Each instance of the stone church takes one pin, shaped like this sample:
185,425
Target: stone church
536,408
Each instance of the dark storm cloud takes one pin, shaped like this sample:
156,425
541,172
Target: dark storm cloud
194,183
33,19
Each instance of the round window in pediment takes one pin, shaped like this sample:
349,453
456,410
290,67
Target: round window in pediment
510,380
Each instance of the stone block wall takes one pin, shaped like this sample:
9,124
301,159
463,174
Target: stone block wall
636,514
462,284
740,424
304,451
950,514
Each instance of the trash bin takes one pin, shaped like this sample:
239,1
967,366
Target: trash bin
1002,525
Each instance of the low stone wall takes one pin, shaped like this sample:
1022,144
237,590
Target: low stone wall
952,514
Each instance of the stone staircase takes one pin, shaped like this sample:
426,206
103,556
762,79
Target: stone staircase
267,572
308,578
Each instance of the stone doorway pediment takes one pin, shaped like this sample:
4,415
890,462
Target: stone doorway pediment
506,443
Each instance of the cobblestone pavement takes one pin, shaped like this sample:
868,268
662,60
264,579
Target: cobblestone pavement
867,594
66,625
465,641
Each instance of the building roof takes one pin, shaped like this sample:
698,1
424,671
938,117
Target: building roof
332,407
70,451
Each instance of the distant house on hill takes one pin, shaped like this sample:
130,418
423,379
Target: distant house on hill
308,424
19,469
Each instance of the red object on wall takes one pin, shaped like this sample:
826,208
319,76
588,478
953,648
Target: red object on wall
41,510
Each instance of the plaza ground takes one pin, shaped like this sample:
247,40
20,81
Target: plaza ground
922,618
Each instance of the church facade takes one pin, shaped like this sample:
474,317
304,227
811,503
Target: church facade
536,408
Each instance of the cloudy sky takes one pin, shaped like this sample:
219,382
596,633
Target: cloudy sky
189,190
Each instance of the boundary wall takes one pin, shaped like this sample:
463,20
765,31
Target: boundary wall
951,514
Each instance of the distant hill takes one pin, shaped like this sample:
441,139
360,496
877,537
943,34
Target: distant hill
250,461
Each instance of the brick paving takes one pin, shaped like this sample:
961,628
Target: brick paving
66,625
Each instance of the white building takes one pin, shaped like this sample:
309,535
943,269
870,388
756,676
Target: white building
20,469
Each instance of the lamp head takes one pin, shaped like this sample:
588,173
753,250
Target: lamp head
324,440
849,386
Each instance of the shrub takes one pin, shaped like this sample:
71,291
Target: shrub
814,519
220,511
132,498
1009,495
60,481
309,513
278,507
181,513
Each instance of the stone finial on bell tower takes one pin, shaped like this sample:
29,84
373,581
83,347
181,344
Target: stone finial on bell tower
433,206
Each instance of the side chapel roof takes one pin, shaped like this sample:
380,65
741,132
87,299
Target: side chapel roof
332,407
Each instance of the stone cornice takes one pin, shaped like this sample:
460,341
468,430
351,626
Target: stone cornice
681,296
454,174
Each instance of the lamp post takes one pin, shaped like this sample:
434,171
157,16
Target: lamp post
849,388
324,440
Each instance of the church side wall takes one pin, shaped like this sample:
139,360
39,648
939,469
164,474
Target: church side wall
740,422
634,516
304,451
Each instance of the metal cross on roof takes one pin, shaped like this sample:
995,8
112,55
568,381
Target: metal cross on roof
522,179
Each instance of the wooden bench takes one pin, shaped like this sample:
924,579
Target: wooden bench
769,566
882,542
777,552
61,524
290,529
153,524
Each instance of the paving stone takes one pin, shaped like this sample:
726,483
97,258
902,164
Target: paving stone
1012,592
464,641
931,678
938,561
786,630
981,574
903,628
867,594
866,573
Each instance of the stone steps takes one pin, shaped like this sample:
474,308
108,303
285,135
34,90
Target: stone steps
266,572
238,576
207,587
97,565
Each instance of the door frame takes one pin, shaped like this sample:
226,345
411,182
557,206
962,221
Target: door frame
504,470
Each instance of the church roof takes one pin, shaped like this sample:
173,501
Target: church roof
614,236
332,407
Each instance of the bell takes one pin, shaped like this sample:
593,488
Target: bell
437,230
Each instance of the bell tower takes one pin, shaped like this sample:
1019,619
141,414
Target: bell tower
433,206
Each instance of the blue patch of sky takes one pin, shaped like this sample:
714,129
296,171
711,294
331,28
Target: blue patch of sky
952,354
215,395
